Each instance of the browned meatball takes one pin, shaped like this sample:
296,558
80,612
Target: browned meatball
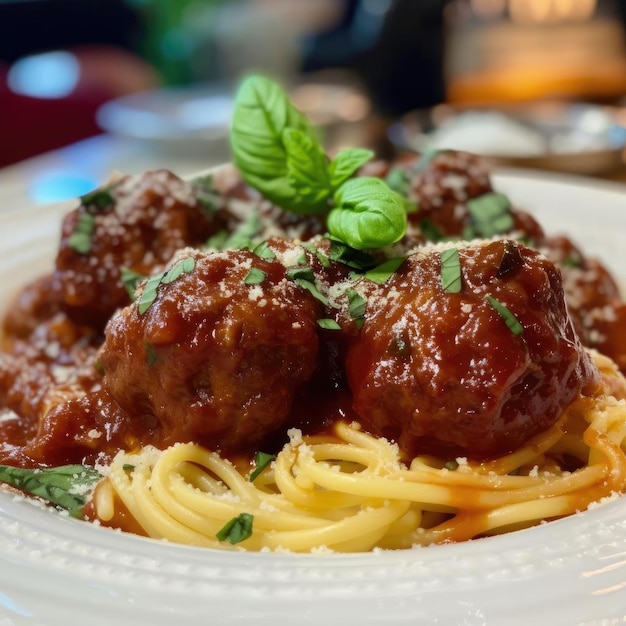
218,356
593,299
443,187
138,223
442,373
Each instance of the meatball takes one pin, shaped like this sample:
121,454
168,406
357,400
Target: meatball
220,353
137,223
442,372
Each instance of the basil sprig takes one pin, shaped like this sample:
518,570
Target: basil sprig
278,153
367,214
67,486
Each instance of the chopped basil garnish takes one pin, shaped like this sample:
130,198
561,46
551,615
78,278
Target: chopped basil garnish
328,324
261,461
67,486
237,529
430,231
357,259
218,240
149,293
255,277
80,239
243,236
571,261
151,354
357,306
509,319
130,279
321,257
263,251
490,215
128,467
92,203
398,179
98,199
384,271
451,270
206,193
424,161
301,273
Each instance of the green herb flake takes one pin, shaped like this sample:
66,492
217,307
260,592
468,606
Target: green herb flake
356,259
424,161
128,467
263,251
80,239
321,257
261,461
206,193
151,354
255,277
99,199
130,279
490,215
452,465
217,241
243,236
305,278
509,319
150,289
384,271
451,271
430,231
328,324
357,305
301,273
237,529
67,487
312,289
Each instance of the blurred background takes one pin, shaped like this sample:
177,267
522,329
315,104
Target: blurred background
91,87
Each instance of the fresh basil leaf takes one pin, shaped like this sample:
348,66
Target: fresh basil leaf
367,214
307,170
357,305
67,487
98,199
206,193
356,259
255,276
451,271
263,251
262,112
237,529
150,289
80,239
490,215
382,273
261,461
130,279
513,324
328,324
399,180
346,163
243,236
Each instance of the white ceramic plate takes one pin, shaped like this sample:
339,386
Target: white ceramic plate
55,570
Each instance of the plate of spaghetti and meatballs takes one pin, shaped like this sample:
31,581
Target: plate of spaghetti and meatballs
303,376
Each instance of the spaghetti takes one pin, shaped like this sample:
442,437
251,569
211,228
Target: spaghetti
352,492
